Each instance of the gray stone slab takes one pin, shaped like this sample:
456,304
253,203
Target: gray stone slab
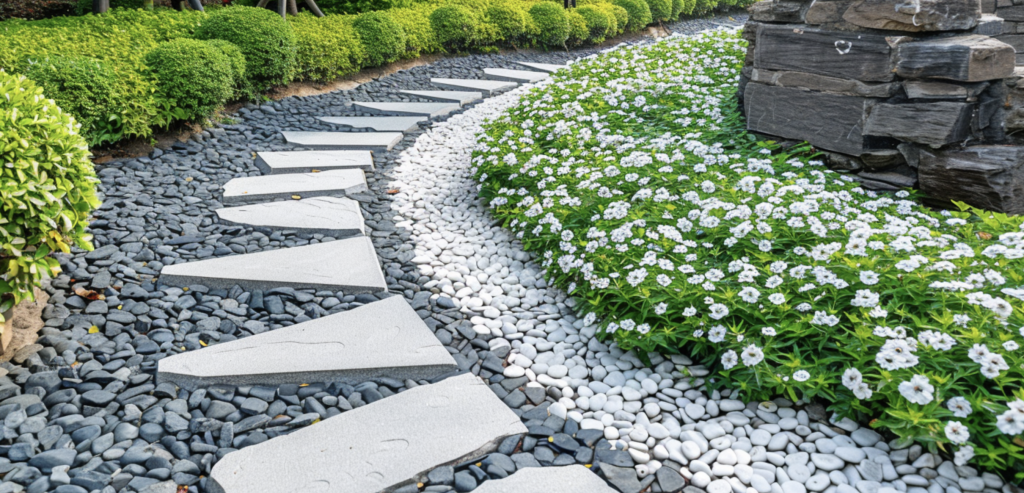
275,163
377,123
521,76
332,216
488,87
377,447
348,265
461,97
382,339
569,479
423,109
543,67
367,141
292,185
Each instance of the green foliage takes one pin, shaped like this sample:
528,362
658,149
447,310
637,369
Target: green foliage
704,6
639,14
47,188
661,10
510,21
87,88
236,60
327,47
415,22
454,26
192,79
600,24
382,37
84,7
579,32
688,7
677,9
552,22
360,6
621,17
266,40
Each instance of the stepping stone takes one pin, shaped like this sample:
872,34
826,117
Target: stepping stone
274,163
382,339
331,216
461,97
543,67
377,123
348,265
376,447
290,185
569,479
367,141
522,76
487,87
425,109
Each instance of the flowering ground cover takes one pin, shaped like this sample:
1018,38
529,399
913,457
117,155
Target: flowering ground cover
632,177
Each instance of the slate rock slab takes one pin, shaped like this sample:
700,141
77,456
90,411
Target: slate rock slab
367,141
275,163
989,177
333,216
349,265
543,67
380,446
934,124
568,479
849,55
378,123
382,339
461,97
488,87
290,185
421,109
825,83
972,58
917,16
522,76
828,121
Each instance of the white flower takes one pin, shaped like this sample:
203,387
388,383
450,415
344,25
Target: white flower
918,390
878,312
862,391
660,308
978,353
716,334
957,433
965,454
752,355
718,311
865,298
768,331
729,359
961,407
801,376
689,312
852,378
1011,422
749,294
777,298
1011,345
869,277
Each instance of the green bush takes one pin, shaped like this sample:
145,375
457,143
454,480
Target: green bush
266,40
639,14
509,20
552,22
621,18
86,88
327,47
382,37
600,24
415,22
47,188
677,9
704,6
236,60
192,79
578,29
360,6
454,26
661,10
689,7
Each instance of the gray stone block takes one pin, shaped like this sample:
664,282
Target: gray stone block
920,15
420,109
826,11
779,11
348,265
989,177
973,58
275,163
461,97
828,121
382,339
520,76
543,67
848,55
367,141
934,124
291,185
568,479
923,89
332,216
488,87
377,123
825,83
377,447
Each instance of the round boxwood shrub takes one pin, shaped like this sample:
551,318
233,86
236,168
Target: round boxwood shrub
621,18
509,20
266,40
704,6
578,30
688,7
552,22
328,46
454,26
639,13
677,8
86,88
661,10
599,23
236,60
47,188
382,37
192,78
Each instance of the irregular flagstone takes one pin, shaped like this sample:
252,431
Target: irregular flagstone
382,339
523,76
274,163
461,97
348,265
367,141
425,109
334,216
291,185
376,447
488,87
543,67
377,123
569,479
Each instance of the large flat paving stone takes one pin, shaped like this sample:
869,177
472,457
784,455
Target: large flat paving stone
488,87
377,123
543,67
348,265
377,447
461,97
332,216
367,141
422,109
521,76
382,339
290,185
569,479
275,163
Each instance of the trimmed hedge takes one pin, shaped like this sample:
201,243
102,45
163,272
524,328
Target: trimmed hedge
553,23
266,40
661,10
510,21
415,22
454,26
236,60
327,47
639,13
192,78
382,37
87,87
578,31
600,24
